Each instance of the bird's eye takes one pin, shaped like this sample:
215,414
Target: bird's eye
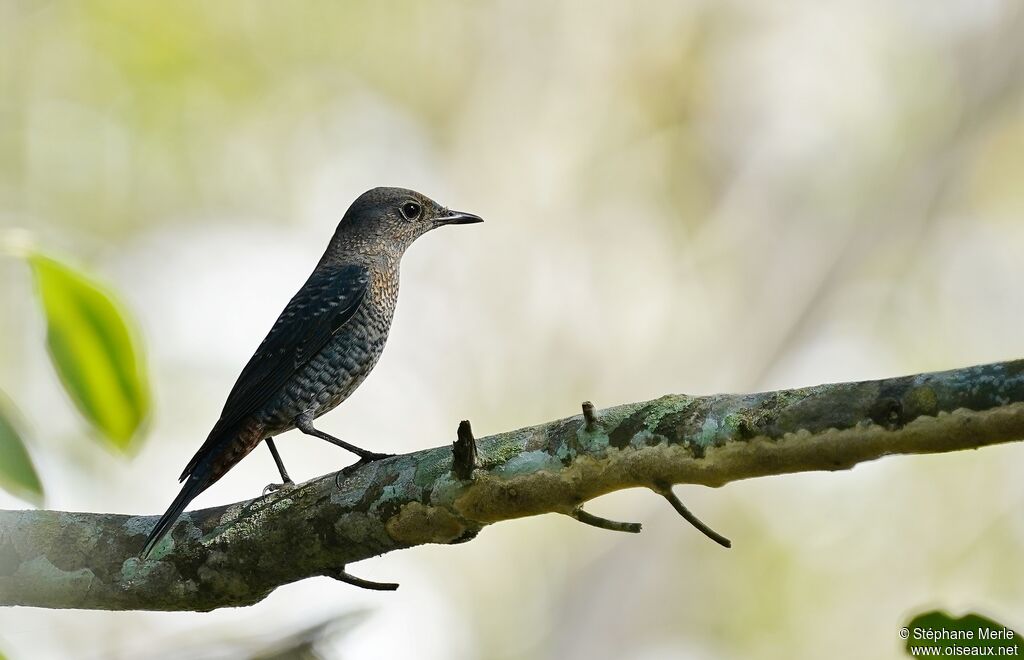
411,210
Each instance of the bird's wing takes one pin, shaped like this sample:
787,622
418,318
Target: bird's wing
321,307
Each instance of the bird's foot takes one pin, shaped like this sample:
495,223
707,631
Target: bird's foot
371,456
273,488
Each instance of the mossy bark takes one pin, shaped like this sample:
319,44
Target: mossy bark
237,554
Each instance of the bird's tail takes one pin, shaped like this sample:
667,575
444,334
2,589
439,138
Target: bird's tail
196,483
222,450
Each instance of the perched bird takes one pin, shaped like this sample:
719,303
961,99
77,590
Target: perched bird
323,344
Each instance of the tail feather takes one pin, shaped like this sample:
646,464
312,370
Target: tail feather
221,451
213,441
195,484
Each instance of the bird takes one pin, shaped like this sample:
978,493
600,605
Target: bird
322,346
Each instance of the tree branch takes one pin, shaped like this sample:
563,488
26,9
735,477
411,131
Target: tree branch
235,555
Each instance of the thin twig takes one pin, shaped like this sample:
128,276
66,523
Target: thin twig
342,575
666,492
596,521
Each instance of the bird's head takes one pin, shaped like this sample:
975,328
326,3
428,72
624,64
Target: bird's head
385,221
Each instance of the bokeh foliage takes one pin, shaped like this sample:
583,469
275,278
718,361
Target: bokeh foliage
93,351
939,623
17,473
98,361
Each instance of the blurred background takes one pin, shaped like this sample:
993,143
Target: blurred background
691,197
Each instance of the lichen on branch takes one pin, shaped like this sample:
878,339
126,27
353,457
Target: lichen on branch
237,554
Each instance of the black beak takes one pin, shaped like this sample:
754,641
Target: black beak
457,218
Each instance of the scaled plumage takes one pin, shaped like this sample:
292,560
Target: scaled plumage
324,343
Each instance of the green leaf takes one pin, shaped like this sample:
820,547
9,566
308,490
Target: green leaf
93,351
937,634
17,474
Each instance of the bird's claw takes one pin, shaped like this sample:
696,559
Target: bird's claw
273,488
372,456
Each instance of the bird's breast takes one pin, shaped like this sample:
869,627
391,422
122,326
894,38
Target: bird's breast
331,375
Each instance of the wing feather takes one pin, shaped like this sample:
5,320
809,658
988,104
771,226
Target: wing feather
328,300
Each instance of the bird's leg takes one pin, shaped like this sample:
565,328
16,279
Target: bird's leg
277,459
286,481
304,423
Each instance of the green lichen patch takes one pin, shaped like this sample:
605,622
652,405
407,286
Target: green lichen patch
920,401
69,585
622,434
528,462
430,466
840,406
362,532
499,449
